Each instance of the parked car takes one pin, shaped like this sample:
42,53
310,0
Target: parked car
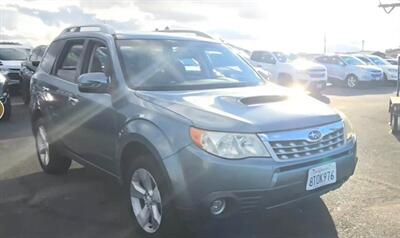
28,68
11,57
389,70
349,70
392,61
185,124
288,72
5,112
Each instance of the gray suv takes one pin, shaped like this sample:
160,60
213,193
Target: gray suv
184,124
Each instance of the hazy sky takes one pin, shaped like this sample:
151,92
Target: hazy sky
290,26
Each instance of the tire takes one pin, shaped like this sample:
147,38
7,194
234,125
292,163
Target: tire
49,158
7,111
352,81
161,214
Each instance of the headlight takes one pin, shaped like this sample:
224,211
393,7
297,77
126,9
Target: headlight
348,129
229,145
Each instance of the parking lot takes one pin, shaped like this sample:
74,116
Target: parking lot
84,203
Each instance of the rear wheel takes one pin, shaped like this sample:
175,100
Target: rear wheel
352,81
49,158
149,196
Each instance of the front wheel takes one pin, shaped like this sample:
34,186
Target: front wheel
49,158
352,81
150,201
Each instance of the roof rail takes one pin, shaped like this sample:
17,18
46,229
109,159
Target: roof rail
197,33
90,28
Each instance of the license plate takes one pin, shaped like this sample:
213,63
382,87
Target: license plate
321,175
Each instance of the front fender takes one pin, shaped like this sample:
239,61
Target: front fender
149,134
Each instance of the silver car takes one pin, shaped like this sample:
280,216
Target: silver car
350,71
185,124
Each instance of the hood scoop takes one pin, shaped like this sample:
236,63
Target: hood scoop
257,100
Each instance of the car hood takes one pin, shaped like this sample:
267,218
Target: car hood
389,66
368,67
11,64
246,109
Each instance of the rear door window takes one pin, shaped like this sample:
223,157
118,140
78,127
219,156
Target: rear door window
50,56
68,63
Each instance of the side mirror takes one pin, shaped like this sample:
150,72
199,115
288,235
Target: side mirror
35,63
93,83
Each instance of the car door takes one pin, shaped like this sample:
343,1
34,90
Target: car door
338,68
67,117
95,139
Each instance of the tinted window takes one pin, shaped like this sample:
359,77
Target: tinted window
352,60
182,65
263,57
13,54
68,63
280,56
323,60
99,59
48,60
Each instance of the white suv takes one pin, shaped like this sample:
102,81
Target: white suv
11,57
287,72
389,70
350,70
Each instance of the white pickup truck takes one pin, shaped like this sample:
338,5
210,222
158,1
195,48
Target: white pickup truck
285,71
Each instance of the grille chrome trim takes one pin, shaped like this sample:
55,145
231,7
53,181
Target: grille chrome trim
295,144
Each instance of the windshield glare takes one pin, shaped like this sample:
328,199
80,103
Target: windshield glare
378,61
13,54
181,64
350,60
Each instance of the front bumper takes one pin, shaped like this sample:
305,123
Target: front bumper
248,185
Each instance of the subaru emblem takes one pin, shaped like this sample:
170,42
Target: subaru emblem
314,135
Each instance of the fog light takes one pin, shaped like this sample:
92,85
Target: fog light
217,207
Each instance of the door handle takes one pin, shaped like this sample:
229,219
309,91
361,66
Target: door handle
45,89
73,100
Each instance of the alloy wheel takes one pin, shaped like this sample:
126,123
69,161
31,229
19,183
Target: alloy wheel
351,81
146,200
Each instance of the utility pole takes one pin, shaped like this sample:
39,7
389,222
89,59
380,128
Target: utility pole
324,43
362,45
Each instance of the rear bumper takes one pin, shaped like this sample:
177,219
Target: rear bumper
247,185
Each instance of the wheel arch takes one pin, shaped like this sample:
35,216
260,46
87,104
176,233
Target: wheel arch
138,137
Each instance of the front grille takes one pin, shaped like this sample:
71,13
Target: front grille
14,76
294,149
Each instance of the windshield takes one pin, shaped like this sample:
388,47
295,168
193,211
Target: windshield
183,65
351,60
280,56
365,60
13,54
378,60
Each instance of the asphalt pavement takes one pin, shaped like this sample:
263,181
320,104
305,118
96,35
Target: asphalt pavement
87,203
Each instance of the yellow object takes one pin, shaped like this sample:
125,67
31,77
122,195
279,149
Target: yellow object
1,109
